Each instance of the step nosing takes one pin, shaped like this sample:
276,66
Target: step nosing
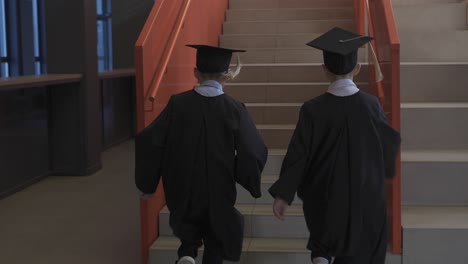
251,244
284,83
291,8
288,21
436,156
434,63
275,127
273,104
434,105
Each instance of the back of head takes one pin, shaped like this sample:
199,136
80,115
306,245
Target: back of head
213,62
340,49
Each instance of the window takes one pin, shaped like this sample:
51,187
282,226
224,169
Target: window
3,44
21,42
36,34
104,37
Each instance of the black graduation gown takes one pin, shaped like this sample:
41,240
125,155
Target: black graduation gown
202,146
339,156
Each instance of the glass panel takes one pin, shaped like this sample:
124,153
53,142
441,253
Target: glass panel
101,65
108,6
104,35
109,44
99,8
3,45
4,70
36,29
38,67
100,43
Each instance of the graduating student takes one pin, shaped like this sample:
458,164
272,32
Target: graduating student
341,152
202,144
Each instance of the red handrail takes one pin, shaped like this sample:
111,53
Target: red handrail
164,66
381,25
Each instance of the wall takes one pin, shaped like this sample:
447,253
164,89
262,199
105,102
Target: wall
128,17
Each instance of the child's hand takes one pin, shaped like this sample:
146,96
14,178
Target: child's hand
279,208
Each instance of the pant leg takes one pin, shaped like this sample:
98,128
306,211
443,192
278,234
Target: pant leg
318,252
213,253
371,254
380,251
344,260
189,248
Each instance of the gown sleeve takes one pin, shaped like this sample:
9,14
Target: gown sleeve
149,152
390,141
251,154
295,161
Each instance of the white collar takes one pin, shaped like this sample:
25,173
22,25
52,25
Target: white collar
343,87
210,88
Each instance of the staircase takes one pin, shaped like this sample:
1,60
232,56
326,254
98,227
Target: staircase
434,122
280,73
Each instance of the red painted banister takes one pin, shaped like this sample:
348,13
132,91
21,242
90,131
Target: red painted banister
381,25
153,89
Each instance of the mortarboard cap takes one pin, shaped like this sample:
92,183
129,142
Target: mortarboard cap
340,49
213,59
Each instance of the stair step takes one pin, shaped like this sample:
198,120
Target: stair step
324,13
276,123
434,126
279,55
444,82
428,177
262,4
285,26
282,55
432,217
453,14
435,183
419,46
255,251
248,41
436,156
259,222
276,136
274,113
443,230
244,197
288,73
435,105
279,92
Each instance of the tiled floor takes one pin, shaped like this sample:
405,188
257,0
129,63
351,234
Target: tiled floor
75,220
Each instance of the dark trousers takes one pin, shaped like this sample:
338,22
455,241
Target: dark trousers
194,231
374,253
213,252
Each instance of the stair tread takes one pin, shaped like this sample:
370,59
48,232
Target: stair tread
415,155
250,244
435,217
426,105
277,83
292,8
274,104
260,210
272,35
434,155
290,21
286,84
276,127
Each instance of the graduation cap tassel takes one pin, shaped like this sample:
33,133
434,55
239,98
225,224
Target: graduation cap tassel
378,75
238,68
